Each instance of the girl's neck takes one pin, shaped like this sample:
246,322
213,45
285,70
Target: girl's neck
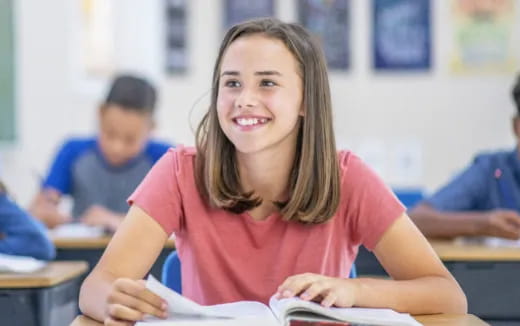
266,173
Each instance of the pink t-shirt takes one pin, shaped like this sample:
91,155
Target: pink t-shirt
230,257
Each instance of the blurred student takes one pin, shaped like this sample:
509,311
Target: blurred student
483,200
20,233
100,172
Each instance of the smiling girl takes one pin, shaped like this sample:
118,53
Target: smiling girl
266,204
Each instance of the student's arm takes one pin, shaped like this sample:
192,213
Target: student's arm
113,290
459,208
101,216
420,285
45,207
21,235
437,224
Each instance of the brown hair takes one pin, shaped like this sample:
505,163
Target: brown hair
314,179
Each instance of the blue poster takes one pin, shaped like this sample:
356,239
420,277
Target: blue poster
329,21
401,34
237,11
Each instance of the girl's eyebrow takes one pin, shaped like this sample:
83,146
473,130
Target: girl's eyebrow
258,73
268,73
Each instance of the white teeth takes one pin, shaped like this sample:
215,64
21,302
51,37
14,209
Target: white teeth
250,121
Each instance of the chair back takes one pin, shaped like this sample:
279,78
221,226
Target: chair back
171,272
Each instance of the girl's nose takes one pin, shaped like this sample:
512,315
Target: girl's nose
246,99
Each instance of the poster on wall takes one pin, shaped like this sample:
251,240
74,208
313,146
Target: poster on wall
176,36
329,20
401,35
484,36
236,11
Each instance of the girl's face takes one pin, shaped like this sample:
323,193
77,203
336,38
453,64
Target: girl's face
260,95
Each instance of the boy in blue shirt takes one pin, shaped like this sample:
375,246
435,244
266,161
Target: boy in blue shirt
483,200
99,173
20,234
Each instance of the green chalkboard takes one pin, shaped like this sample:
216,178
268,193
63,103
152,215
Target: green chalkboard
7,75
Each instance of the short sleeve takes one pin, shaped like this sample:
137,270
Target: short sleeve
60,173
466,190
158,194
371,207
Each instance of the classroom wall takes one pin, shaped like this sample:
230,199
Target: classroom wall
416,129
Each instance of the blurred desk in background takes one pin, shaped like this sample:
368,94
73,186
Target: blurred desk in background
489,275
47,297
90,249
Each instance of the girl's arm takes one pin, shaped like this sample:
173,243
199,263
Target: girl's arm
114,289
421,284
495,223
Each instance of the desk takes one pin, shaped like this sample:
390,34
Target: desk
90,250
47,297
490,276
430,320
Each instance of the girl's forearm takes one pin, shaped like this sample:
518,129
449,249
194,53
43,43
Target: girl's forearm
426,295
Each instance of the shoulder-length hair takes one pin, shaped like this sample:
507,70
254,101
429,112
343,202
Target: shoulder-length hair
314,185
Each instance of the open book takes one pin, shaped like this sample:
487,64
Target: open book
183,311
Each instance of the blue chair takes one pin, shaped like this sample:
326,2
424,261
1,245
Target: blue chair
353,271
171,272
409,197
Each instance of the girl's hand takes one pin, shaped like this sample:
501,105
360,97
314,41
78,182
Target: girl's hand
129,300
328,291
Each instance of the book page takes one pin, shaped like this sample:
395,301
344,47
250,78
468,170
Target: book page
373,316
182,308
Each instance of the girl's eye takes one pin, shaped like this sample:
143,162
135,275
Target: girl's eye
267,83
232,83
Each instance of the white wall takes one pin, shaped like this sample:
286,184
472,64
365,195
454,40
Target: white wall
438,120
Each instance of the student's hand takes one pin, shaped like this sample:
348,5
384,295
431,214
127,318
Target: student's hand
99,216
129,300
328,291
502,223
45,208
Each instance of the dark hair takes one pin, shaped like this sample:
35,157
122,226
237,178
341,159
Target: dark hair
516,94
314,179
131,92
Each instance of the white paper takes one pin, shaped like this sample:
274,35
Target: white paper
20,264
77,230
374,316
181,308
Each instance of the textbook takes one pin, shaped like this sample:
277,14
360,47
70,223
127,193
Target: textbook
280,312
